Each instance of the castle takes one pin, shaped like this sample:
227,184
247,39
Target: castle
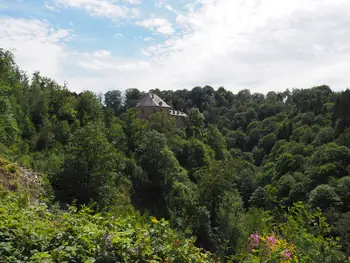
152,103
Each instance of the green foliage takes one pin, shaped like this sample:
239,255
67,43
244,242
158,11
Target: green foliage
85,236
325,136
237,155
195,123
267,142
195,155
344,138
236,139
113,100
8,124
216,141
259,198
325,197
132,128
90,169
88,108
161,122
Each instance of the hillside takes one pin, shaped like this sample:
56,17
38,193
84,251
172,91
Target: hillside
250,176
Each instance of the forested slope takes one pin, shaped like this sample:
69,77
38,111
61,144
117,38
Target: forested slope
247,170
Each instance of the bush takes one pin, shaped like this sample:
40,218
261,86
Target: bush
85,236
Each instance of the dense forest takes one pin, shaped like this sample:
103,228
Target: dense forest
251,177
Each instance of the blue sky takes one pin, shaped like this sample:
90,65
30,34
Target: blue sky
101,45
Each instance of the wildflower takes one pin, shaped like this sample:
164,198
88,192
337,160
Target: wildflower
286,254
271,241
107,240
154,220
253,242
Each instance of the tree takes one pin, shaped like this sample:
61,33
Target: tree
267,142
213,185
195,123
161,170
303,134
344,138
132,127
132,97
330,153
343,229
236,139
27,127
113,100
253,138
258,155
216,141
298,192
238,154
195,155
162,122
307,118
259,198
324,197
90,169
342,109
342,188
287,162
38,101
116,135
285,184
88,108
285,130
62,132
325,136
8,124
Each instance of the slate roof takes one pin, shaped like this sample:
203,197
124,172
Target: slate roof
152,100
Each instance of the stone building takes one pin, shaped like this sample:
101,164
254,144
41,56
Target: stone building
152,103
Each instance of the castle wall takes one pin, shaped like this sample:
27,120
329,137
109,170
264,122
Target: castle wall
145,112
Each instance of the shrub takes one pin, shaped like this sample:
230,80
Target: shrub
85,236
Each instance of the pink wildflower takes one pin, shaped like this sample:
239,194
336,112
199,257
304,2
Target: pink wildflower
253,242
286,254
271,241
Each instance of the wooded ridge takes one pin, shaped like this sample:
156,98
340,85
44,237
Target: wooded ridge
248,178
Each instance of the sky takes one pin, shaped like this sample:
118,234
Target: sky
101,45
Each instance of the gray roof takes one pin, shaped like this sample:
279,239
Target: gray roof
152,100
177,113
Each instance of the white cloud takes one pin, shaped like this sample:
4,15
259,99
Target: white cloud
160,25
133,2
118,35
148,39
101,54
103,8
120,65
261,45
50,7
36,44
